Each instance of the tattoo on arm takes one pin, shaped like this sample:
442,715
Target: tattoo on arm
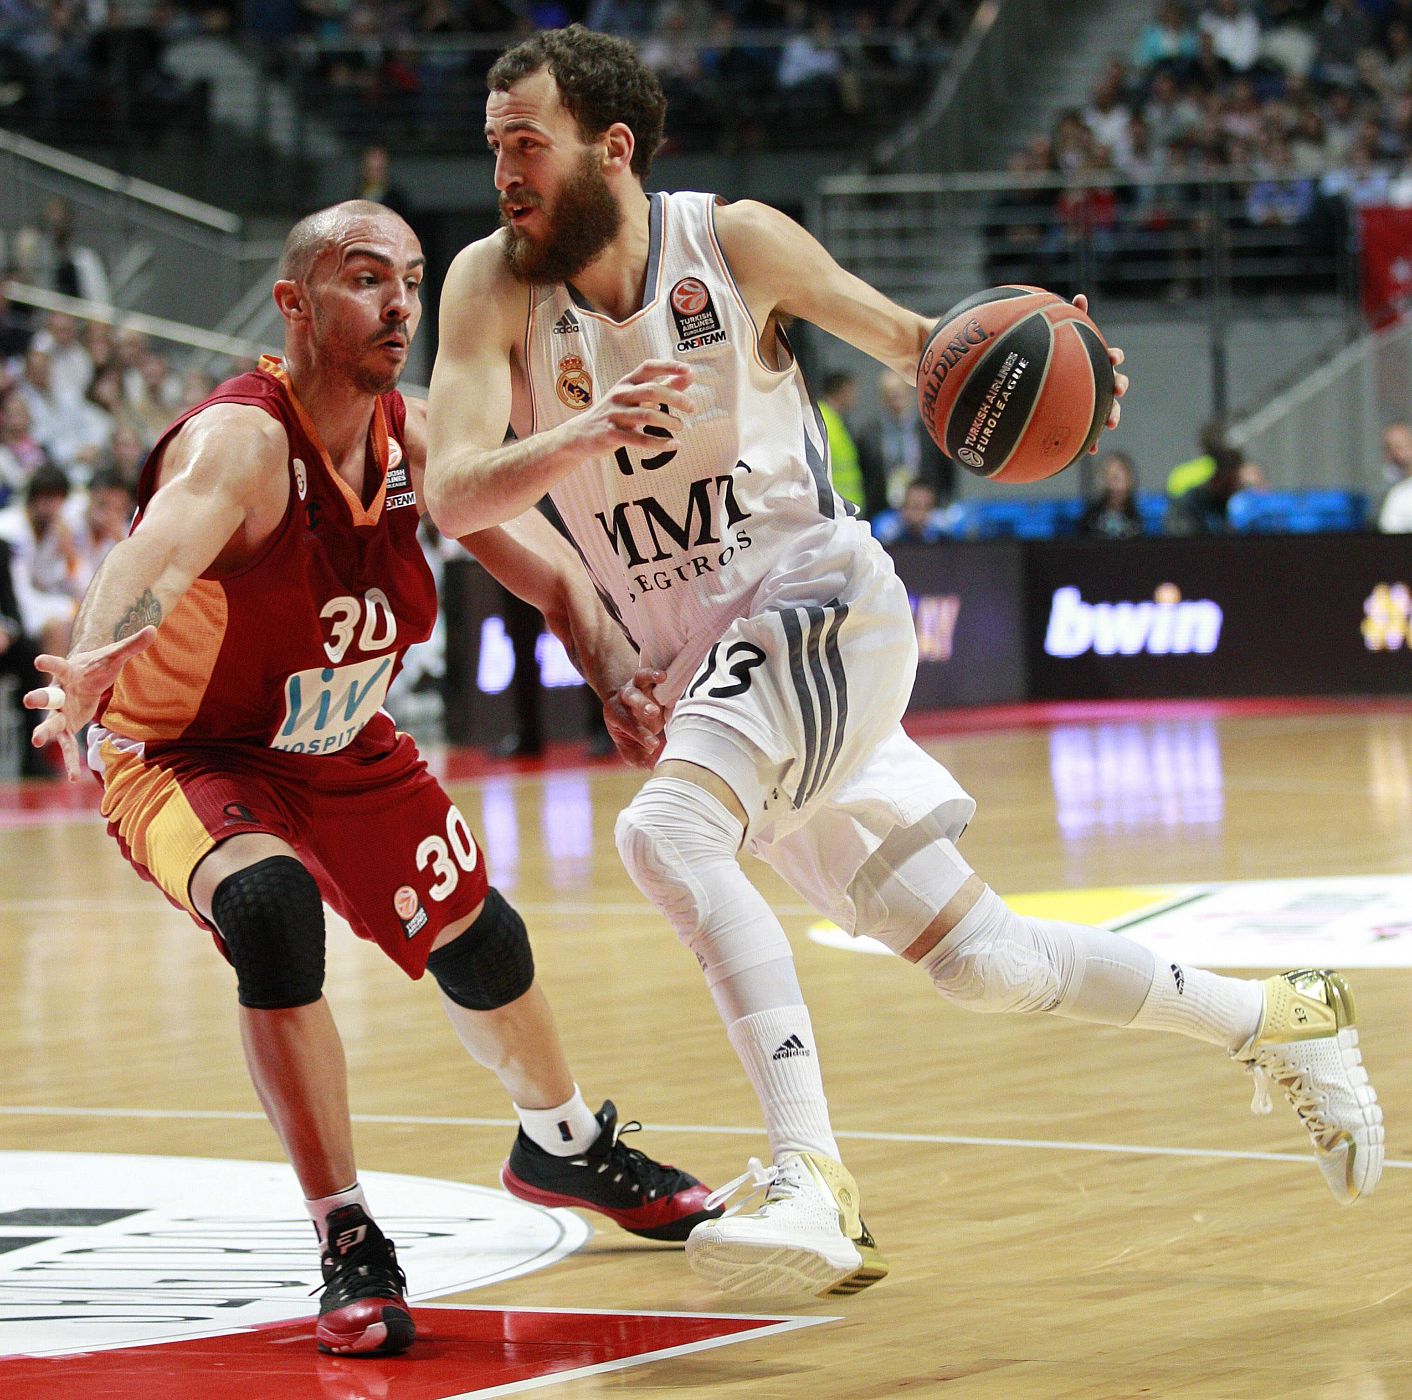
145,612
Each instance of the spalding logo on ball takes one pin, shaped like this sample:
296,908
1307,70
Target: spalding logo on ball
1015,384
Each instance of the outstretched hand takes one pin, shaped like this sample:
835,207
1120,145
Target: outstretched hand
634,718
77,684
1120,381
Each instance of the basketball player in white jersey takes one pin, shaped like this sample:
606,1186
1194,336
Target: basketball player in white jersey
635,345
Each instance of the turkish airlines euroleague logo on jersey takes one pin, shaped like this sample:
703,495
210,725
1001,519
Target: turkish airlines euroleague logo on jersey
695,315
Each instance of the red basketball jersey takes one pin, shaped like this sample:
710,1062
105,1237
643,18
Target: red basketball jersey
297,650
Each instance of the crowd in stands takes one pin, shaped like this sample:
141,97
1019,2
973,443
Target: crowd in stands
737,73
75,69
1297,113
80,407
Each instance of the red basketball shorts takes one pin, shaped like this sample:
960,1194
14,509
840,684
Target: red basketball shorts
390,851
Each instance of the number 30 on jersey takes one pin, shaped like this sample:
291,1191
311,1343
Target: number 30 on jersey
446,857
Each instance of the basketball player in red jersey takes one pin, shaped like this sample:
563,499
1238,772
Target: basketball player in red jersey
234,653
634,341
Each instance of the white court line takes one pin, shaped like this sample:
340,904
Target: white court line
703,1129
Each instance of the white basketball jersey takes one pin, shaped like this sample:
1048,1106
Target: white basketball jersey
681,541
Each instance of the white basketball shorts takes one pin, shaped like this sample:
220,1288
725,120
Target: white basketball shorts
818,688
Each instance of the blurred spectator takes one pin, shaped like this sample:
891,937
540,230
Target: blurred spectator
100,342
1112,514
126,454
130,349
46,254
811,71
70,364
155,396
14,328
1166,42
46,411
196,387
1171,114
375,181
894,448
17,653
1185,475
1362,183
1204,509
837,399
43,565
1343,31
1235,33
916,521
1283,198
1108,115
97,519
1395,516
21,454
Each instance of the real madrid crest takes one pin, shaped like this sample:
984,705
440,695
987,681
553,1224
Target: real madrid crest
575,385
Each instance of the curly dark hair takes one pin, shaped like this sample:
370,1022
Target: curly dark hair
601,81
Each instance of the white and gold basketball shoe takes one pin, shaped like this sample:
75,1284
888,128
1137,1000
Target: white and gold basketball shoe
1307,1043
805,1237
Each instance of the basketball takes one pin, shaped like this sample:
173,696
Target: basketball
1015,384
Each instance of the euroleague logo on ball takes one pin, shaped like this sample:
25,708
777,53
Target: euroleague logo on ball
971,457
690,297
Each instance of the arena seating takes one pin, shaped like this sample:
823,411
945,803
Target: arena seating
1251,512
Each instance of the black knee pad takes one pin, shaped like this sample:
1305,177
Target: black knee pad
490,964
271,919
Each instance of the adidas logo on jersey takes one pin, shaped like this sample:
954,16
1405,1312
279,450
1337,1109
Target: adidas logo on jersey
567,324
790,1049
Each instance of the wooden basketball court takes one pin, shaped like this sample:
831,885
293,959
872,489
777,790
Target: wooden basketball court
1069,1211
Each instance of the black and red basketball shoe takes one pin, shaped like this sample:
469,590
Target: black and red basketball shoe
645,1197
362,1311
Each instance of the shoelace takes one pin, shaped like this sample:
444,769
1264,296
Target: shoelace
657,1176
366,1280
1308,1104
756,1180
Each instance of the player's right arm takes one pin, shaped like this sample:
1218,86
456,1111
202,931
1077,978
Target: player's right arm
473,479
218,498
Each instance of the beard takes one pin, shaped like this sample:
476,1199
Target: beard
585,221
334,351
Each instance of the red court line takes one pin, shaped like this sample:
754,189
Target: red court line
31,803
459,1351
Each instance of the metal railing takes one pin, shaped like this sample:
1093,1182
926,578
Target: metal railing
164,254
208,347
928,240
1336,413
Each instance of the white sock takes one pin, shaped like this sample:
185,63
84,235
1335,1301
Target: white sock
681,851
565,1131
779,1054
320,1209
1223,1011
